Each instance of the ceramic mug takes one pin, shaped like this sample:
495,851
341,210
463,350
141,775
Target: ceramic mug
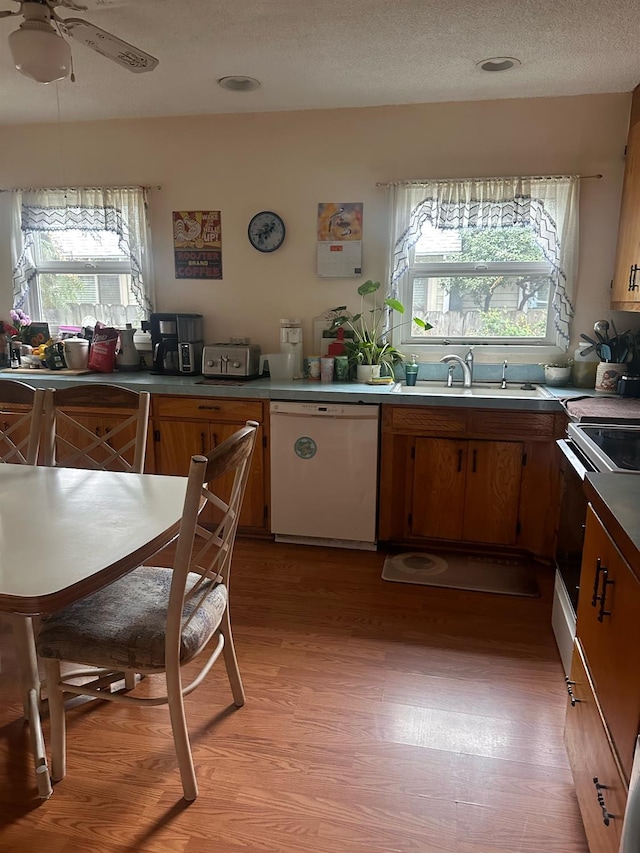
607,375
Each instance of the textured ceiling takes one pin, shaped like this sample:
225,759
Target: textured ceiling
318,54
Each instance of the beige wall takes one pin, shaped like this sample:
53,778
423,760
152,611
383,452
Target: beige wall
288,162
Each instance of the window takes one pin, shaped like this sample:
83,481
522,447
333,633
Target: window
473,283
83,256
486,260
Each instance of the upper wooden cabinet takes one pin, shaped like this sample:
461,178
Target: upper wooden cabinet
625,293
476,476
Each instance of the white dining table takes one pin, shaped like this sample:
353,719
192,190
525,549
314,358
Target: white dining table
65,533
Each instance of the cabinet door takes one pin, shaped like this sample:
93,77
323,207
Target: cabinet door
252,514
625,294
67,433
439,477
494,471
177,441
608,625
602,802
19,435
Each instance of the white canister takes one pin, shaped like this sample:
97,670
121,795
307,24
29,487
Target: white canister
76,352
583,374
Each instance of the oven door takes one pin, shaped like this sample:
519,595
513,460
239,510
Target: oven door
574,466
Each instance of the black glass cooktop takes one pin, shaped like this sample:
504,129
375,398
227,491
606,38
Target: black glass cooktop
621,446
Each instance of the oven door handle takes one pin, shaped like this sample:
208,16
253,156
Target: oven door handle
573,460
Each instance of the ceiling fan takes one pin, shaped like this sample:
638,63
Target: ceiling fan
39,50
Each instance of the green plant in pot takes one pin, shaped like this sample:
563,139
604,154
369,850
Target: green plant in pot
558,372
369,346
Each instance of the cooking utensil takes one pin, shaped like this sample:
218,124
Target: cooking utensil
604,351
587,338
601,328
588,350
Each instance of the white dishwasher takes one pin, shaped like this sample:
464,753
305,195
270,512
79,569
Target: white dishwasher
324,473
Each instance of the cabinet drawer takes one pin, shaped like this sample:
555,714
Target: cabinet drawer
607,624
494,422
207,408
591,757
425,419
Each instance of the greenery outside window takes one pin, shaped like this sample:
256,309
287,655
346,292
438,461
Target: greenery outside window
77,271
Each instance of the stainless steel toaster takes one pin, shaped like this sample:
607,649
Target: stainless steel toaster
231,361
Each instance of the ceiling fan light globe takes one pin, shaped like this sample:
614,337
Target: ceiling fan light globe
40,54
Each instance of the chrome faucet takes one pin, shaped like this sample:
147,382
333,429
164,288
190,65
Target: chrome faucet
503,384
469,361
466,371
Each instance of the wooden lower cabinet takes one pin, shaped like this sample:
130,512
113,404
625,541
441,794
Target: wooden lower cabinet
472,476
99,425
600,786
608,626
19,436
184,426
478,490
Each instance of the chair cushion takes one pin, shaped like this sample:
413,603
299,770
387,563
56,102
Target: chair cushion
123,625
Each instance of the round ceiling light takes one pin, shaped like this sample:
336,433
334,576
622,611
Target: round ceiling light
239,83
498,63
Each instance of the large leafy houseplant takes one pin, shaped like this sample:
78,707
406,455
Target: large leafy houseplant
368,344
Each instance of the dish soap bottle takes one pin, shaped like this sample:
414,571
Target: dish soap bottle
411,370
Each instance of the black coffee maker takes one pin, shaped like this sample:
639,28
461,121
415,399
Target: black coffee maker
176,341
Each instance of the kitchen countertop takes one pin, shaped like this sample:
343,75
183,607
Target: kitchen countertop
299,390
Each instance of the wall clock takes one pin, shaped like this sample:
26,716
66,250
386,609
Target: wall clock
266,231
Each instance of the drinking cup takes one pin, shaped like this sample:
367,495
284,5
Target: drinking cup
312,368
327,364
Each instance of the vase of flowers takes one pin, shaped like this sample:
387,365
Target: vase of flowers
369,349
19,325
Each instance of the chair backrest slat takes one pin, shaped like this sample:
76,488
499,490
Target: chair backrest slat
96,426
21,410
212,559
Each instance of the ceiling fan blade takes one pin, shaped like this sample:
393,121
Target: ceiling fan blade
108,45
89,5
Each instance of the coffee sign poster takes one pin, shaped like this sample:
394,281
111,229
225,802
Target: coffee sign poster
197,243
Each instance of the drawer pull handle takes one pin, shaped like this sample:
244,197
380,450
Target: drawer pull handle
599,789
605,583
459,461
632,277
572,698
210,408
596,598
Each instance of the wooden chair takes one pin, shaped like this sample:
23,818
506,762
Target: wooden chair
155,620
97,426
21,408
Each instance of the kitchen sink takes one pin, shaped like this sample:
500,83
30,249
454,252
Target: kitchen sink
438,389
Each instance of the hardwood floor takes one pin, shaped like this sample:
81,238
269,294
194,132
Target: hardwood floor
380,717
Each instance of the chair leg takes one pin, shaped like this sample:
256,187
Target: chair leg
58,725
180,733
231,661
